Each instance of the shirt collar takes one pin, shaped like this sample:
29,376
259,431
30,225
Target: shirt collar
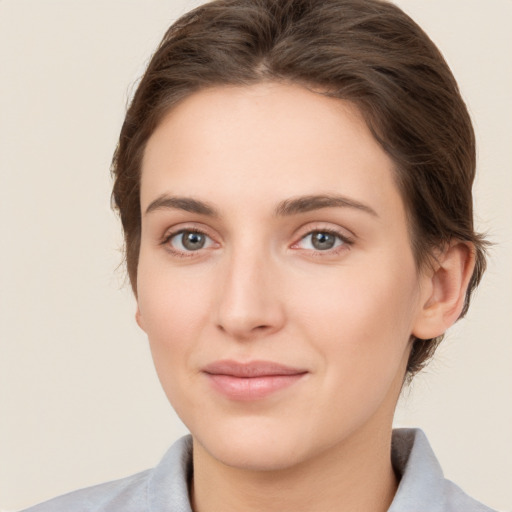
168,486
421,477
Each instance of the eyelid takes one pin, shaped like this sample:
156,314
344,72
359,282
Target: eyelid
174,231
346,236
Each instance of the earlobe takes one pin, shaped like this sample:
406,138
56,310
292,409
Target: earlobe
445,290
139,319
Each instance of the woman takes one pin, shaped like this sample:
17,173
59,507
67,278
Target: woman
294,182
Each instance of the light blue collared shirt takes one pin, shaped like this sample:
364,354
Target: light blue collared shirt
422,487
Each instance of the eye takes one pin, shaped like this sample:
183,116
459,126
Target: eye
321,241
189,241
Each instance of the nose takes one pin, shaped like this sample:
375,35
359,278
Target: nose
249,302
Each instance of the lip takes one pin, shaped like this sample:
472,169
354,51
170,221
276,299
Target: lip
251,381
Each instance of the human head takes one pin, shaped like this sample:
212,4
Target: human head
365,51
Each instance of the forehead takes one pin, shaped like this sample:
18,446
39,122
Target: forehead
267,141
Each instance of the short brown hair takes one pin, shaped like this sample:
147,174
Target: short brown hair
368,52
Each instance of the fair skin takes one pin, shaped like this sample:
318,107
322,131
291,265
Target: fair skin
273,235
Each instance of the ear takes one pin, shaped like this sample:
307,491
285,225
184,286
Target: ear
139,319
444,288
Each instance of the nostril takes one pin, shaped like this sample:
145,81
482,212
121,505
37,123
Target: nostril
254,329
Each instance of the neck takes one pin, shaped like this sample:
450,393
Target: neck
355,476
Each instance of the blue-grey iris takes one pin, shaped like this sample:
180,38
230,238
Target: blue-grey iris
322,240
193,241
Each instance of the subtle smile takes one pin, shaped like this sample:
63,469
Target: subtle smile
250,381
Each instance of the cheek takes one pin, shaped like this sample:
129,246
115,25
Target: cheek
362,315
174,308
173,311
359,324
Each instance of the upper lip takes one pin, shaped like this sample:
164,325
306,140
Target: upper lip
250,369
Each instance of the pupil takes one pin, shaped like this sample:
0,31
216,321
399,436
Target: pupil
323,241
193,241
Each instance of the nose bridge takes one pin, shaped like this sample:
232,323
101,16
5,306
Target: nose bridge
249,301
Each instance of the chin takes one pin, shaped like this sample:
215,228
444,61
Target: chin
253,455
252,449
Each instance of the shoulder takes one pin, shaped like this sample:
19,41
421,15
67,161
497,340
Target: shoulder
422,480
458,500
163,488
127,495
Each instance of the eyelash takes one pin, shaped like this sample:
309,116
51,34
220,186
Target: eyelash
182,254
346,242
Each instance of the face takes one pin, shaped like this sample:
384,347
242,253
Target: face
276,281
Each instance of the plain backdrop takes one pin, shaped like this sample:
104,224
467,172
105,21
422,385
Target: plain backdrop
79,400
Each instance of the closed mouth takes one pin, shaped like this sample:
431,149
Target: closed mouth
250,381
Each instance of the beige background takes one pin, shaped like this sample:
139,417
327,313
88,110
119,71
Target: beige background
79,401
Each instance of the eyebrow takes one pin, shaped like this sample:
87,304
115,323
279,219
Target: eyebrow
305,204
182,203
288,207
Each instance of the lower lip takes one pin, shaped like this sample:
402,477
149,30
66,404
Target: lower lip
252,388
